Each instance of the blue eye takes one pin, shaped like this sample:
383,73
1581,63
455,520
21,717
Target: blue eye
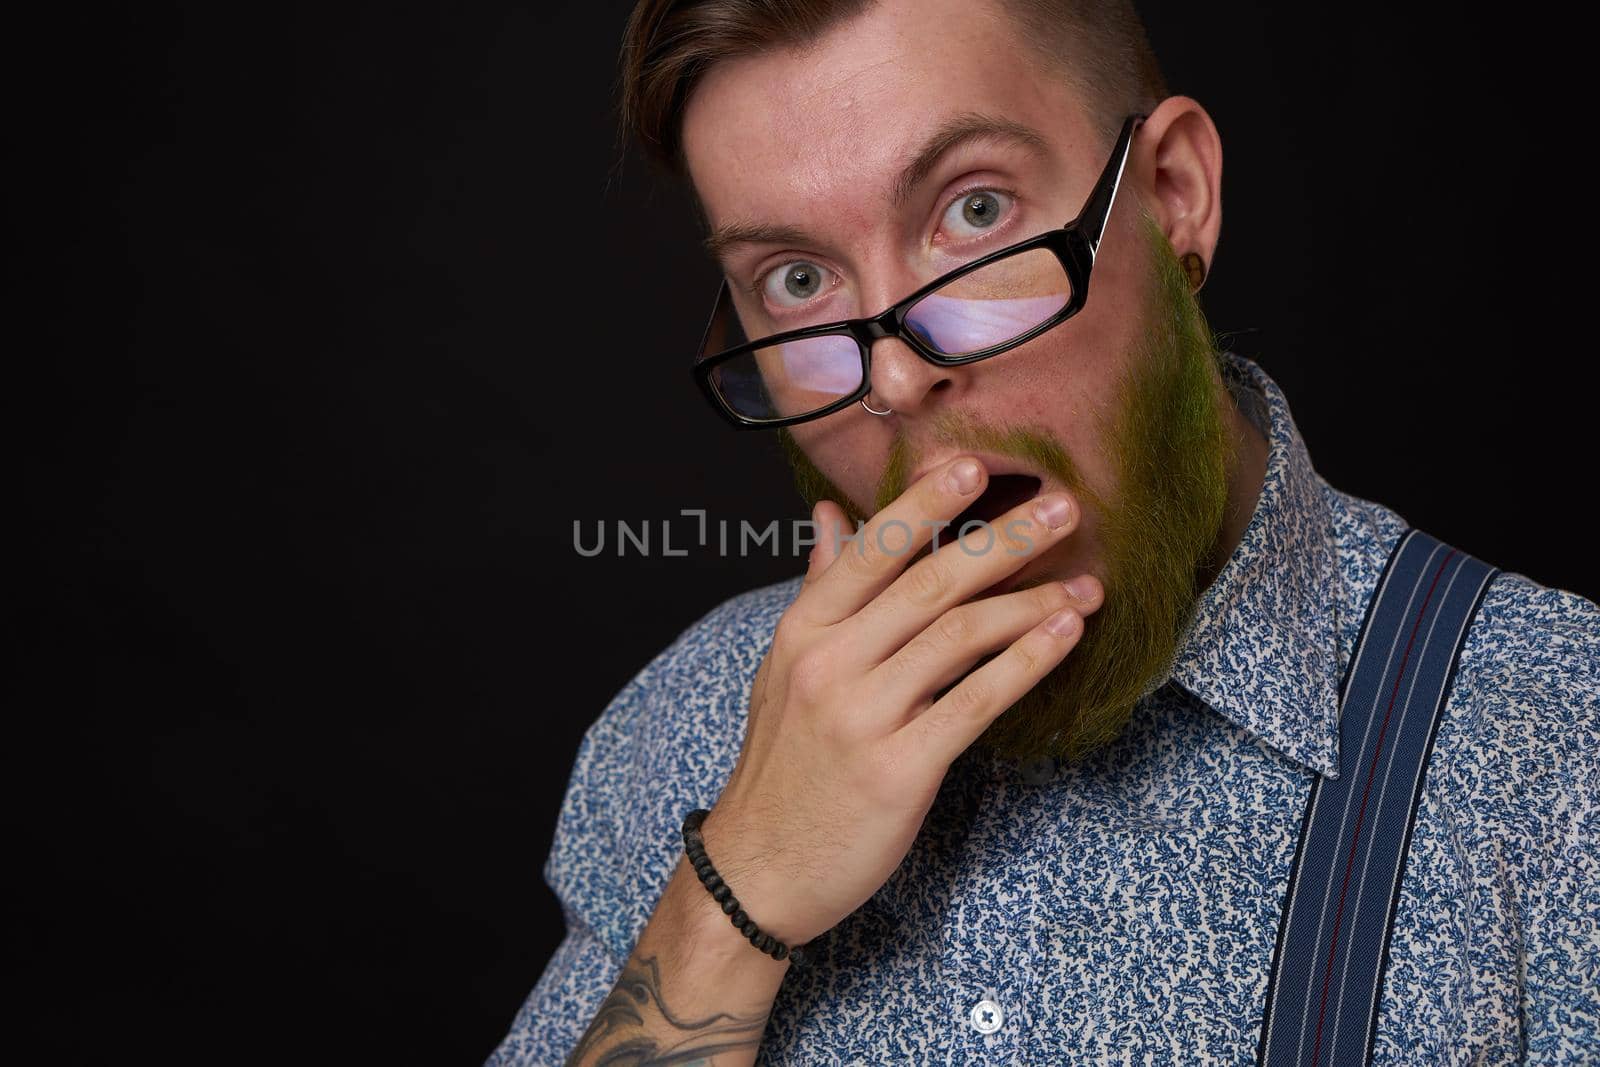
976,212
794,283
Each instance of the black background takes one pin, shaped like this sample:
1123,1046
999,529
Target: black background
312,372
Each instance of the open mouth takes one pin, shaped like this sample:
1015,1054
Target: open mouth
1004,492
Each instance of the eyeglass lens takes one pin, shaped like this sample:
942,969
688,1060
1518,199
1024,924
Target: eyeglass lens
978,310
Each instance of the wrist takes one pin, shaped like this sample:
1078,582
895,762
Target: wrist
764,938
710,930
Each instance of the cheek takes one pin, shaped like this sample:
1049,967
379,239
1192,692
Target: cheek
1068,380
1078,367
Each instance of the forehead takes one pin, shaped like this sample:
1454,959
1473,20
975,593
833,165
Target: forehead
831,122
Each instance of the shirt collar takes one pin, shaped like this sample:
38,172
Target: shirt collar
1262,647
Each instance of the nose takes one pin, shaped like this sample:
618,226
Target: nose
907,383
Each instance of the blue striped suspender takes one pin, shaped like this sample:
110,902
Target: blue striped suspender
1333,938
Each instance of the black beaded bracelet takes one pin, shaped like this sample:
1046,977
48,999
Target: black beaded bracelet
695,846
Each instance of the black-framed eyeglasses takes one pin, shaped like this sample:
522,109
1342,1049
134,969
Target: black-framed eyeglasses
981,309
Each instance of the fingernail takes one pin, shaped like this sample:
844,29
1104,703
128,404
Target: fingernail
964,476
1063,622
1053,511
1080,589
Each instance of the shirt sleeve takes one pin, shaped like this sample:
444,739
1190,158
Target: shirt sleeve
583,870
1561,985
659,748
1563,963
567,996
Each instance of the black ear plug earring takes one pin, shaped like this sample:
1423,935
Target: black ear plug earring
1195,268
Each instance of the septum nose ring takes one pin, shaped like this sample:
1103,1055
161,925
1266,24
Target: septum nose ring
875,411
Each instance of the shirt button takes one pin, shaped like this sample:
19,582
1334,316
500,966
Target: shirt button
1039,770
987,1017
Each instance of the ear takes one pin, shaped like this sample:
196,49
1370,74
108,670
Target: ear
1182,155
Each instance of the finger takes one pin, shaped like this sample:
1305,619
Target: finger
978,559
948,727
948,648
831,524
867,563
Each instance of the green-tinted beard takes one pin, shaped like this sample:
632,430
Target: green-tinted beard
1169,446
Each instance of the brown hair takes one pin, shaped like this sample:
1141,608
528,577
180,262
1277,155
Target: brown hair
1099,45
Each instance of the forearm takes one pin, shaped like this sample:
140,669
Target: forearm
694,990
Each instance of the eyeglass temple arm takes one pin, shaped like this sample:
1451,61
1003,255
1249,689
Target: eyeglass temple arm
1092,220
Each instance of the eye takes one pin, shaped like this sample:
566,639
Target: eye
976,212
794,283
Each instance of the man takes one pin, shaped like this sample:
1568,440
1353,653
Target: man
1032,792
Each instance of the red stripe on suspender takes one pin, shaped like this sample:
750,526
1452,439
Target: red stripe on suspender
1372,772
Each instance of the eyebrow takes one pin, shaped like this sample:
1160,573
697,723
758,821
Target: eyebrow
960,130
733,234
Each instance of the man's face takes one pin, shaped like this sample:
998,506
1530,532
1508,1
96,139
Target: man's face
814,141
819,162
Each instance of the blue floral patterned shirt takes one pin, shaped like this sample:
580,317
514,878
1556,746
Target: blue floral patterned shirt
1126,909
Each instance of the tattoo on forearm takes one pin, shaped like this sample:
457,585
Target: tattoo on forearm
615,1038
